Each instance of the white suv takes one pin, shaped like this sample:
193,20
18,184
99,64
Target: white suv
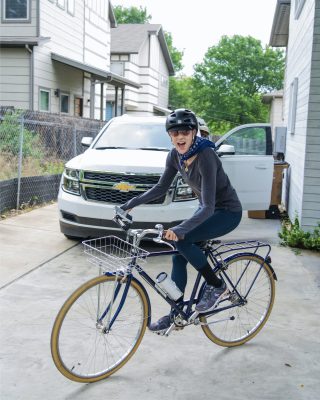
128,157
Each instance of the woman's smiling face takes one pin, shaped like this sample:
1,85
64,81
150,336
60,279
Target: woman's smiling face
182,139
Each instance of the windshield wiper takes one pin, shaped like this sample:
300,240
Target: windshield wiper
110,147
154,148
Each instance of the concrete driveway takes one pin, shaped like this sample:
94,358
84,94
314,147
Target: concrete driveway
40,268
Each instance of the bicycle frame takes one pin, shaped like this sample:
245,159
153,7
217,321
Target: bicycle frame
214,255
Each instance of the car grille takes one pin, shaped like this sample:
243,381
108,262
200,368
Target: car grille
114,178
114,196
107,194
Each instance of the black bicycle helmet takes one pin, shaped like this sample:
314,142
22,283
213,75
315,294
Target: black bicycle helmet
181,119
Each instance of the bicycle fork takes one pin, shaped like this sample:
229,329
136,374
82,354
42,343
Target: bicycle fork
107,314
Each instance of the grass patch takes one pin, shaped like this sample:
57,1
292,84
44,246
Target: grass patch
30,166
292,235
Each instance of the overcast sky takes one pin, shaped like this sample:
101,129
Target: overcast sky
197,25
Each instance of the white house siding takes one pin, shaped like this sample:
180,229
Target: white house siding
276,113
311,197
163,98
299,53
96,44
15,77
83,37
21,29
64,30
97,34
132,72
66,39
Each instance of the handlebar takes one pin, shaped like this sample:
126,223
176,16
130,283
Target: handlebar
124,220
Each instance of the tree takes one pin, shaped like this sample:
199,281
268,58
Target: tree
180,92
131,15
228,85
175,54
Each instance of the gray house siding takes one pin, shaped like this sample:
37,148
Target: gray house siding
299,55
15,77
311,189
25,29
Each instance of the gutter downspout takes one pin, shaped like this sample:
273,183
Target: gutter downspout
31,77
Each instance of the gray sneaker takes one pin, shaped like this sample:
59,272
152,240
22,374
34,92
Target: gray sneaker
211,297
162,324
165,322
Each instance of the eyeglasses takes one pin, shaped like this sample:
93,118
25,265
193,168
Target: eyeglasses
184,132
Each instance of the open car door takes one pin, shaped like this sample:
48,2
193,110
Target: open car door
246,155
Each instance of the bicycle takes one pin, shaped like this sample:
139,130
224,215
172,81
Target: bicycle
101,325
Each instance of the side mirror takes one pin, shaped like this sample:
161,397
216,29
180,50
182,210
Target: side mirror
86,141
226,150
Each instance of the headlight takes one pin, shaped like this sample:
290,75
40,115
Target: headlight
71,181
183,191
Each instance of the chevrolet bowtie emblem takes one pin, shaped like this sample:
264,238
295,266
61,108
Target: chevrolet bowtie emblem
124,186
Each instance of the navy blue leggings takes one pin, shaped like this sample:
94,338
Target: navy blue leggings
219,224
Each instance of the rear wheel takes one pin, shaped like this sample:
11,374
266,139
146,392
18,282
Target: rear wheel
81,349
235,326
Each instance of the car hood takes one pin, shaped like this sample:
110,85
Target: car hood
120,160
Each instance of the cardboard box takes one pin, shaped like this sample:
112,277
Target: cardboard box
257,214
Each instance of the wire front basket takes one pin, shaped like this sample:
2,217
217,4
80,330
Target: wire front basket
112,254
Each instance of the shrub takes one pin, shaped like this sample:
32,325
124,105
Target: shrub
293,236
10,128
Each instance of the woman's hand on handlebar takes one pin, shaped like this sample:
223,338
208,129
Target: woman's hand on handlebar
170,235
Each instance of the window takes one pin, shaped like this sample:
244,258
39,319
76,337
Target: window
64,103
298,6
44,100
61,4
70,7
117,67
16,9
292,105
249,141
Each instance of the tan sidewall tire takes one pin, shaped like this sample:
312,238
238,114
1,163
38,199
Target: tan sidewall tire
64,310
223,343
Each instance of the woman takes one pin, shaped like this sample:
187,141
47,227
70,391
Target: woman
219,209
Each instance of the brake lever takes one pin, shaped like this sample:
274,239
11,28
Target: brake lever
159,238
164,242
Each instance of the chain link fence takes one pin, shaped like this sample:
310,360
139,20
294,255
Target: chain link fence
34,147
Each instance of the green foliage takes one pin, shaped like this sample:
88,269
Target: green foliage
175,54
228,85
180,92
293,236
131,15
10,128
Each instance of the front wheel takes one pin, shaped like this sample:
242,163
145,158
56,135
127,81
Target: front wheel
82,349
245,311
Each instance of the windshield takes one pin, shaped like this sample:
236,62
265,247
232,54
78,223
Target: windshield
135,135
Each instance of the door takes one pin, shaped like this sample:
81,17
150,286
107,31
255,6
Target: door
250,168
78,107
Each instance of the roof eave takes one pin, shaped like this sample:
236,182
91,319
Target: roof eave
165,50
280,27
99,74
22,41
112,17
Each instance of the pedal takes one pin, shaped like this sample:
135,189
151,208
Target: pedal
166,332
